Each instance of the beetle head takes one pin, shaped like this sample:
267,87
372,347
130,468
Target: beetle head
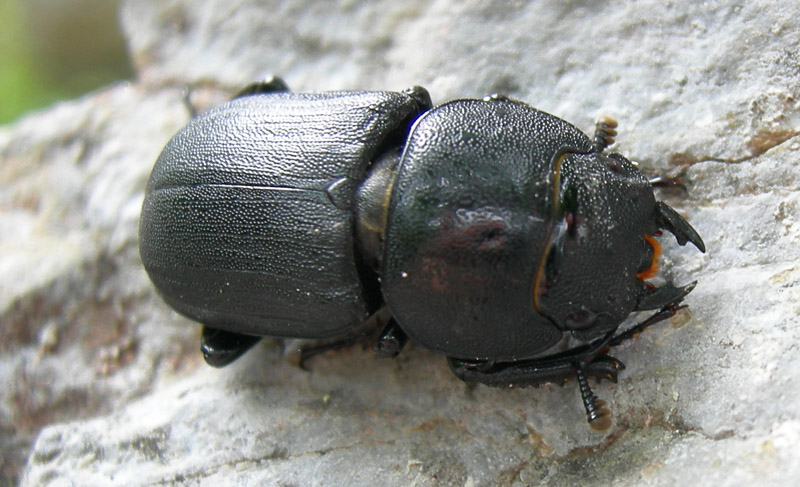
601,246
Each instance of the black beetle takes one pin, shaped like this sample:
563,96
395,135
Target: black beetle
493,233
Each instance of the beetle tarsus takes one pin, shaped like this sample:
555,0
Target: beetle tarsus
391,341
221,347
604,133
421,96
664,313
304,353
269,85
604,367
554,369
598,416
668,182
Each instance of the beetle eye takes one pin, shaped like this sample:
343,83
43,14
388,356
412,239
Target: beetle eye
617,163
614,166
580,320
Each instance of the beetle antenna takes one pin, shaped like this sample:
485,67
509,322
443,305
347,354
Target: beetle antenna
604,133
597,414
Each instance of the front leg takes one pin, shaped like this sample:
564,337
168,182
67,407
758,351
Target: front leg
535,372
526,373
579,363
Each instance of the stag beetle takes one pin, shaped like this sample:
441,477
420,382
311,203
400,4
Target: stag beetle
495,234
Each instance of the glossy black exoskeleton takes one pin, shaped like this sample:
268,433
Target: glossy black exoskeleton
493,233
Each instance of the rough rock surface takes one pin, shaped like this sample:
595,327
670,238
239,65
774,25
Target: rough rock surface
102,384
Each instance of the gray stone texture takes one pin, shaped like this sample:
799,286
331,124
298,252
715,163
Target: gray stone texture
102,384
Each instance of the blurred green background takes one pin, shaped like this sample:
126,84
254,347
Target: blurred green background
57,49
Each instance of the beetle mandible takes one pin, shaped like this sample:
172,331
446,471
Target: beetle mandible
490,232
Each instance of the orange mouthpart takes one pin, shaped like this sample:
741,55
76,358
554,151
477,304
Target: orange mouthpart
653,269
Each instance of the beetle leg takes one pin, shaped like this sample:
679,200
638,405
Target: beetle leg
667,182
502,374
300,355
391,341
664,313
598,416
389,344
671,180
534,372
421,96
269,85
581,363
604,133
540,371
552,368
221,347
